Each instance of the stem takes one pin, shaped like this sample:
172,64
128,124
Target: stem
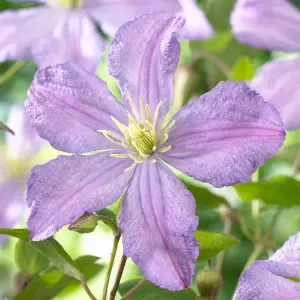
273,222
134,289
113,226
88,291
296,164
221,257
111,263
118,278
254,255
215,60
11,71
256,218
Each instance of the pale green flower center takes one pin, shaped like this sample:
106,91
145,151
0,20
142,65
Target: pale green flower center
66,3
142,137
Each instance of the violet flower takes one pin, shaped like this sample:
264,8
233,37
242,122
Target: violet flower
15,162
271,279
66,30
220,138
273,25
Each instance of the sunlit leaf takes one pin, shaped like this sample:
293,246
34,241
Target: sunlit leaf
243,69
280,190
51,249
211,243
53,283
149,291
218,43
29,259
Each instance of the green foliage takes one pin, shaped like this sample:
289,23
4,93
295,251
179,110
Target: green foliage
205,199
150,291
218,43
211,243
51,249
243,69
281,190
296,3
29,259
47,286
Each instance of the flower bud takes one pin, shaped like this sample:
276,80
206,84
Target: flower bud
209,283
85,224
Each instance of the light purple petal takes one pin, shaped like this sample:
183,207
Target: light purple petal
36,23
273,25
197,25
277,82
112,14
290,252
61,191
25,143
68,105
12,204
75,39
158,223
225,135
265,280
143,58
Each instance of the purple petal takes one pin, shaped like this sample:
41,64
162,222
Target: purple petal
290,252
12,204
225,135
68,105
197,25
37,23
75,39
277,82
158,223
261,24
111,16
25,143
264,280
143,58
61,191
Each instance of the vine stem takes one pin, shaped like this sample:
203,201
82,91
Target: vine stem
11,71
118,278
111,263
134,289
88,291
258,250
221,257
215,60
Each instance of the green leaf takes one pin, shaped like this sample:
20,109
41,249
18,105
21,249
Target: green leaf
218,43
4,127
205,199
29,259
280,190
243,69
296,3
211,243
51,249
149,291
49,285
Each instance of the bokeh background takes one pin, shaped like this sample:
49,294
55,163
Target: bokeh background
202,65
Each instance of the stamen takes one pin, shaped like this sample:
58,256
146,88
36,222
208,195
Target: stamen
112,134
135,112
163,150
164,138
121,127
156,112
149,119
119,155
142,111
169,127
131,167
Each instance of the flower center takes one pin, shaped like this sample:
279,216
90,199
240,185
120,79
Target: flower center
142,138
66,3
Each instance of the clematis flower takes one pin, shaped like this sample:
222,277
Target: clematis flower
273,25
271,279
15,161
66,30
220,138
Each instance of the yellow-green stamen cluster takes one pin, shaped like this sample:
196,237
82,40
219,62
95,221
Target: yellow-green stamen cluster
142,138
67,3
